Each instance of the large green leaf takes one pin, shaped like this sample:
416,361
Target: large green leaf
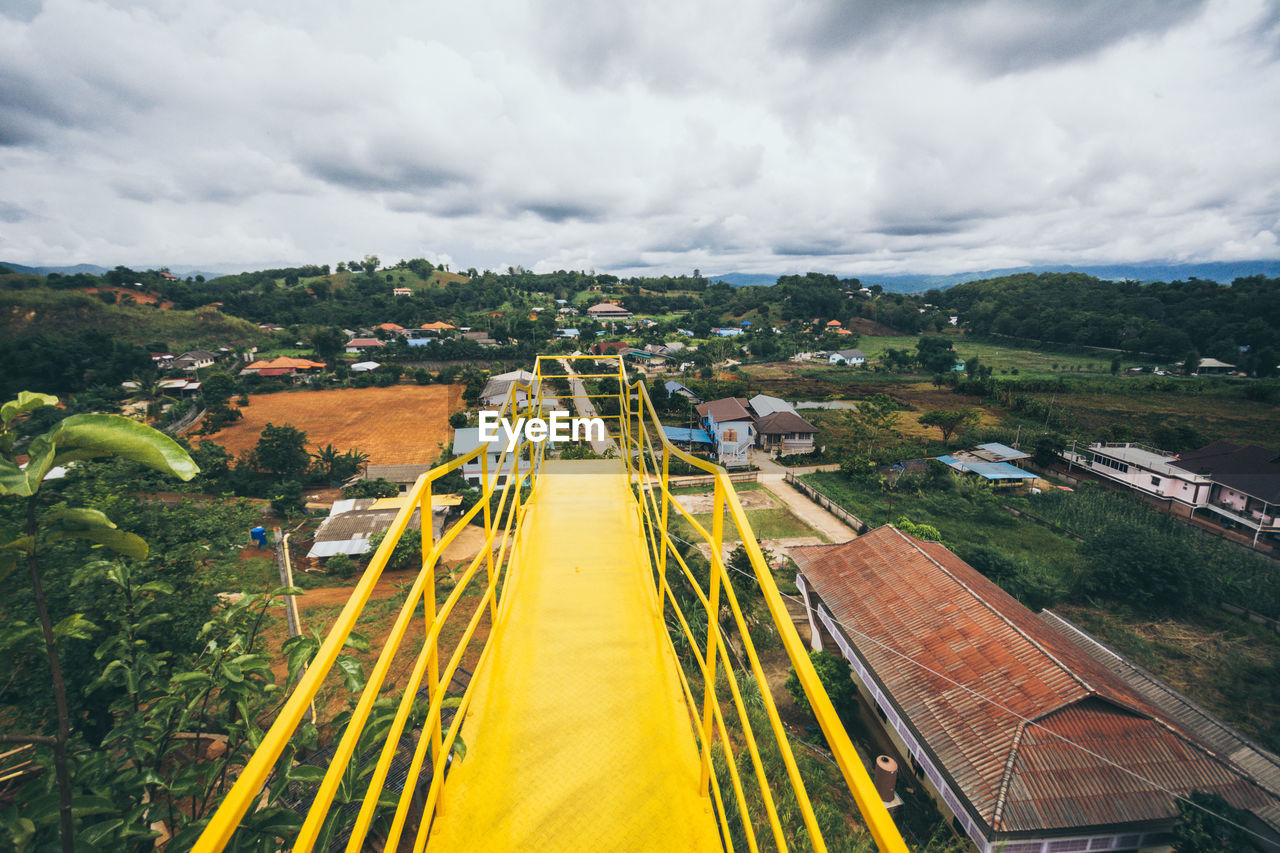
87,436
80,523
26,401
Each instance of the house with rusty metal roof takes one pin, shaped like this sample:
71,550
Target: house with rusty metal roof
1020,734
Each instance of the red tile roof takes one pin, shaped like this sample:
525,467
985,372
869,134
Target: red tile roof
943,640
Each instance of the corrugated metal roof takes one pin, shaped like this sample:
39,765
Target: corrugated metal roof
966,664
687,435
987,470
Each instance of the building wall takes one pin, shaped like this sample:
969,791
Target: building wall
1158,484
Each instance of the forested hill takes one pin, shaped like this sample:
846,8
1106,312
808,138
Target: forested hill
1168,319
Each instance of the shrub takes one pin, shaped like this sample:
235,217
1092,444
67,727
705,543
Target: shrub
837,679
379,488
340,565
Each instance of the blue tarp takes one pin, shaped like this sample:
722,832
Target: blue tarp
687,436
988,470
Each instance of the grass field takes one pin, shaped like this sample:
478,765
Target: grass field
1009,357
400,425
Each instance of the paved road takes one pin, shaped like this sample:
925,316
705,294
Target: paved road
582,405
771,477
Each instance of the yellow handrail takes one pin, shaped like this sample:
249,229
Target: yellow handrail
489,569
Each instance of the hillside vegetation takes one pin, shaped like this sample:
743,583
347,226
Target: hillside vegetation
1239,324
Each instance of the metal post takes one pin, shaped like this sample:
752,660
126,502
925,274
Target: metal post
662,553
713,636
428,535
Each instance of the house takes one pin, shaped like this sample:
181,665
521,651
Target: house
389,327
401,291
438,328
467,439
832,325
179,386
482,338
609,348
403,476
283,366
1021,736
991,452
785,433
1212,367
674,387
1001,475
1245,486
730,332
731,427
567,333
608,311
364,366
194,360
359,345
495,392
852,357
353,522
762,405
162,360
1149,471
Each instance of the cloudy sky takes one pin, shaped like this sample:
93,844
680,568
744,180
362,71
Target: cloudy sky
858,136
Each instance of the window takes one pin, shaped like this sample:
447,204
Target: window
1110,463
1155,481
731,435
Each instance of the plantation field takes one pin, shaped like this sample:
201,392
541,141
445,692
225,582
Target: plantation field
400,425
1003,358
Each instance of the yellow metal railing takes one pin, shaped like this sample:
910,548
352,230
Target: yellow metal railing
647,455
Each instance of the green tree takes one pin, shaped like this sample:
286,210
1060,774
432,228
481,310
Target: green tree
948,423
370,264
837,679
282,450
328,342
1047,449
1209,824
935,354
458,420
1191,362
217,389
1130,564
74,438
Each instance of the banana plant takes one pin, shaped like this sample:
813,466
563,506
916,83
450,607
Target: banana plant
83,436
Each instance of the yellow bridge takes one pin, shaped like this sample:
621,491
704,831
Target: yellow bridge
618,702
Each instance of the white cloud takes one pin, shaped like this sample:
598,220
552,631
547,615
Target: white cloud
852,137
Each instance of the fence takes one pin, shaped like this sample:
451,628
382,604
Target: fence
734,477
826,503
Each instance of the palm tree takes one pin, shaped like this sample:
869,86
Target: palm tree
327,458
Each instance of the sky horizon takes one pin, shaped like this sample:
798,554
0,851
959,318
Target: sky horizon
854,137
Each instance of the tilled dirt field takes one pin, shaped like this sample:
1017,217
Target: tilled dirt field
400,425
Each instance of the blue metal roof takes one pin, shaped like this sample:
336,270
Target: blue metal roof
988,470
698,436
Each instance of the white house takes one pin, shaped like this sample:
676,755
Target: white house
852,357
732,429
495,391
1147,470
467,439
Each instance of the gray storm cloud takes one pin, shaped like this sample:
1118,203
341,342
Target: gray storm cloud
655,136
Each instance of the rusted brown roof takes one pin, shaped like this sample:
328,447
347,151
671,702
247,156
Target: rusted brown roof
784,422
943,640
725,410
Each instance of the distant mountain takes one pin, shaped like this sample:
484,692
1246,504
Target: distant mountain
93,269
1224,272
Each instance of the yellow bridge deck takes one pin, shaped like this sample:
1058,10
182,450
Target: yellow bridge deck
579,737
